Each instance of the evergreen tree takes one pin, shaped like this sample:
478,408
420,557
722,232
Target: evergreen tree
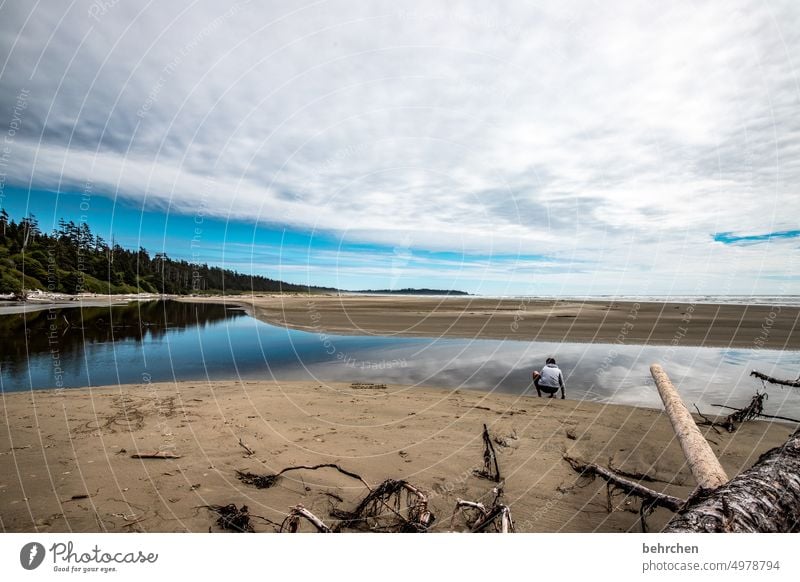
72,259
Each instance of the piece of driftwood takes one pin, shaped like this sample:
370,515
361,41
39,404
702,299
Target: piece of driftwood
250,452
499,512
383,509
765,498
648,496
703,463
463,507
269,480
156,455
771,380
715,424
505,441
762,415
731,422
498,515
491,469
292,522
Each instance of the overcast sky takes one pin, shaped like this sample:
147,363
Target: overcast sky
528,147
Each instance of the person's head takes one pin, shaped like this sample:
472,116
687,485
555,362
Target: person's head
550,361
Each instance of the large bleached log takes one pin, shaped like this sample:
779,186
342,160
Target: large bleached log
703,463
765,498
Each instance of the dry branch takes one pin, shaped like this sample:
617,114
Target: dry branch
771,380
156,455
703,464
762,415
268,480
765,498
647,495
250,452
491,469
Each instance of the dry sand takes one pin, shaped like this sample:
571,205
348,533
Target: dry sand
62,445
683,324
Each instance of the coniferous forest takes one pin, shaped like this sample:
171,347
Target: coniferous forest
72,259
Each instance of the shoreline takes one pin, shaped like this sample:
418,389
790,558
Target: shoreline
62,301
601,322
65,461
775,327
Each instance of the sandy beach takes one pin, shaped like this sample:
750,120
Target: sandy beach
682,324
65,458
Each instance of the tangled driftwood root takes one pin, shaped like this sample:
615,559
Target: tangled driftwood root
479,518
292,522
233,519
731,422
394,505
385,509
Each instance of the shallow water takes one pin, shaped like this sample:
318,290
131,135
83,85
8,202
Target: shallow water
165,341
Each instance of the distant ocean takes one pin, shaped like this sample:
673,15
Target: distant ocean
769,300
782,300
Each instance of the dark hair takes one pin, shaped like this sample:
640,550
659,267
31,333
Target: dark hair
550,361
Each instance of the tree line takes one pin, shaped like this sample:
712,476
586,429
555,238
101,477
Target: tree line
72,259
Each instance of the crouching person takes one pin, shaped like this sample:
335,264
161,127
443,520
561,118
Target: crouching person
549,380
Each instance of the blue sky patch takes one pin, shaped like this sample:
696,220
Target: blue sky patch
729,238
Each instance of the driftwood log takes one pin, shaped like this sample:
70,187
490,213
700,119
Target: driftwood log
702,461
156,455
765,498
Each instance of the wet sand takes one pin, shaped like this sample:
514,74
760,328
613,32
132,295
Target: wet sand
680,324
65,458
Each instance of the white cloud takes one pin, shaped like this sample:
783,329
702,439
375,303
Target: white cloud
572,129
